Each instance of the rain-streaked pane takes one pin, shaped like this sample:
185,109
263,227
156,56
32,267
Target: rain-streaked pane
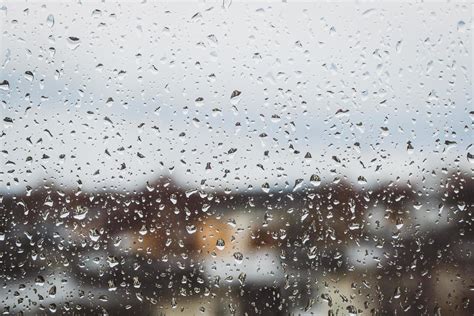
231,158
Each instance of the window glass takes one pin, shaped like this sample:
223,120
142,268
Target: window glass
236,158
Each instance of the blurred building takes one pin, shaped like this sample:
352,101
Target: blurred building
332,248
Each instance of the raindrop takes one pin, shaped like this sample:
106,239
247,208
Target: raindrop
410,148
29,75
220,244
315,180
50,20
266,187
191,229
362,180
238,256
4,85
73,42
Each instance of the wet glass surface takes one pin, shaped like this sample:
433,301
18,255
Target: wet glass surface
232,158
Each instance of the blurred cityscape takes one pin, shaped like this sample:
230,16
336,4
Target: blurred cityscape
323,248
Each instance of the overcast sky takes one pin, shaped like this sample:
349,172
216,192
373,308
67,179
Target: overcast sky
87,80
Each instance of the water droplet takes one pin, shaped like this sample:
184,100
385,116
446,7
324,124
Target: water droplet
4,85
109,102
50,20
191,229
220,244
470,157
239,257
29,76
94,235
80,213
73,42
235,97
361,180
199,102
315,180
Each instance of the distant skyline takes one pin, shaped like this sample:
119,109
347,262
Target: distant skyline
157,79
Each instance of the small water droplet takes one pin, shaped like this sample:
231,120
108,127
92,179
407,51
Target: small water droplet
361,180
220,244
50,20
29,75
239,257
191,229
315,180
73,42
4,85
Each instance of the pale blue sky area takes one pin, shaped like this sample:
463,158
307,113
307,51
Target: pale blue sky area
315,78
